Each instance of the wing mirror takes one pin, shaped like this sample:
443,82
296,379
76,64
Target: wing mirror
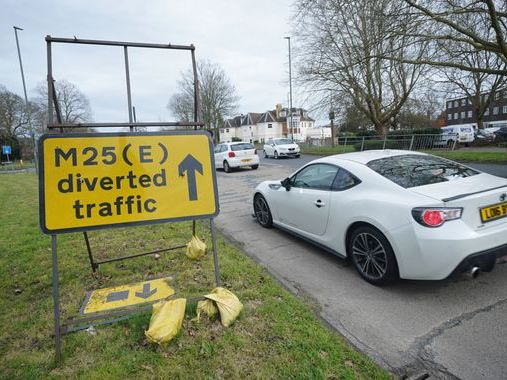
286,183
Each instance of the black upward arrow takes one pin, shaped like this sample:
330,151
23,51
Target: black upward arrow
146,291
190,165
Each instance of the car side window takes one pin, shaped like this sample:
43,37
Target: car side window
316,176
224,148
217,149
270,142
345,180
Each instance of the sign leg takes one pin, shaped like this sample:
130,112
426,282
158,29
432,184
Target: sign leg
215,255
56,300
90,255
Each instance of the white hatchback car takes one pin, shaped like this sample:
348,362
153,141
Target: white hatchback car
395,214
235,155
281,148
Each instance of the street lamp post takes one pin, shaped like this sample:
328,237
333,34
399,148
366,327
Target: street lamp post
290,93
16,28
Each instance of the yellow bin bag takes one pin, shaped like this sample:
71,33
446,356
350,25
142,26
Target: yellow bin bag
227,303
166,320
195,248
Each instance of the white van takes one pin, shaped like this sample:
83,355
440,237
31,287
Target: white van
461,135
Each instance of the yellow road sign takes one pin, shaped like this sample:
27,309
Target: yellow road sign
98,180
127,295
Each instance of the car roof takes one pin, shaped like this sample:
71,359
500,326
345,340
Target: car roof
368,155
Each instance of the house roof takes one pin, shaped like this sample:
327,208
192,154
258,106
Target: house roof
252,118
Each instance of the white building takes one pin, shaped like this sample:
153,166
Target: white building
259,127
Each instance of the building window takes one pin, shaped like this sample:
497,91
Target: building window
449,105
486,113
504,109
497,95
469,101
495,110
270,125
449,116
463,102
504,94
469,114
462,114
455,116
227,130
455,103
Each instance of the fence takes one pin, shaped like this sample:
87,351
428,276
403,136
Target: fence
405,142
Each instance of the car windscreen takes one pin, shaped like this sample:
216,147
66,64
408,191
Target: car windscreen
244,146
283,141
413,170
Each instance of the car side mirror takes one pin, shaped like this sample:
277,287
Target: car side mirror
286,183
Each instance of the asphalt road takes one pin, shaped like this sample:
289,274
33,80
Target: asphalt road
456,328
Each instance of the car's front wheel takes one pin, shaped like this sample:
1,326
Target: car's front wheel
262,211
372,256
255,167
227,168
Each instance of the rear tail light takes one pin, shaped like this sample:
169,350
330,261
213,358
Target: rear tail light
232,154
435,217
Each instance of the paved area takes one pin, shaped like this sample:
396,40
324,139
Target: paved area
449,329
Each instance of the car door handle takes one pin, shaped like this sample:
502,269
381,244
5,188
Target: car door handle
319,203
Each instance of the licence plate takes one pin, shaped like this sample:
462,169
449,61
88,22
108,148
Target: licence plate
246,160
494,212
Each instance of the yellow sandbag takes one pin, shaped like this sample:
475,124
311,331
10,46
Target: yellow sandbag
195,248
166,320
207,307
228,305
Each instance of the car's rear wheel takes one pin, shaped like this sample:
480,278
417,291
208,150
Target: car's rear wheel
254,167
275,155
262,212
227,168
372,256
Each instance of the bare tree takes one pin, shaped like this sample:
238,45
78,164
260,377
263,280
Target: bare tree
218,98
15,116
476,26
478,87
343,49
74,105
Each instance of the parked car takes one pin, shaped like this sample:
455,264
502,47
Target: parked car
484,135
451,135
235,155
501,133
281,147
395,214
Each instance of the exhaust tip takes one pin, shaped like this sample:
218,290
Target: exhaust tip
473,272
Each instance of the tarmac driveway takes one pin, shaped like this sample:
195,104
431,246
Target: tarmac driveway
448,329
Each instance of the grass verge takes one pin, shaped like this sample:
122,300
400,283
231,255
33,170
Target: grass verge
276,336
462,156
479,157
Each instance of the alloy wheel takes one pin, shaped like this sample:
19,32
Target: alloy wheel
370,256
262,212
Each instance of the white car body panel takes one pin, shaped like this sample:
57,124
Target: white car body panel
421,252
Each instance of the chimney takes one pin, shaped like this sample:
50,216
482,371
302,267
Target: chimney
278,108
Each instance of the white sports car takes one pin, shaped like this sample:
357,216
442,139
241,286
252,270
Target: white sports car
395,214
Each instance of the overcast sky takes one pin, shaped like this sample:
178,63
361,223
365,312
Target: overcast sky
244,37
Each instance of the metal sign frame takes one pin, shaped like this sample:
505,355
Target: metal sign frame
81,322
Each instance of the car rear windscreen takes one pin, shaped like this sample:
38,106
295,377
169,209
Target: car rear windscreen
245,146
413,170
